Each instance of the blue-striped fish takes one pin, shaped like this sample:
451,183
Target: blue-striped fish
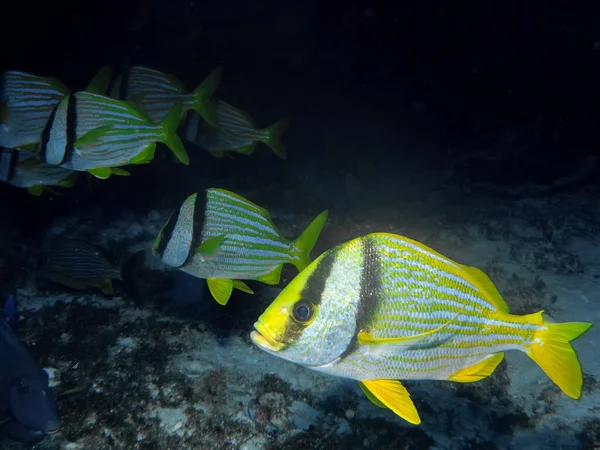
236,132
23,169
156,92
27,101
94,133
224,238
383,307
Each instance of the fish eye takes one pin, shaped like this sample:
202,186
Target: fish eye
303,311
23,386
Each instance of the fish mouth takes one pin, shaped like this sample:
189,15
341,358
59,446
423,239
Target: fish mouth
262,338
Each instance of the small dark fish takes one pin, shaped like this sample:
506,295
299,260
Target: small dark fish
28,411
78,265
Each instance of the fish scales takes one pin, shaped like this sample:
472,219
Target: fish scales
246,229
154,91
383,307
30,101
403,311
130,132
235,128
223,237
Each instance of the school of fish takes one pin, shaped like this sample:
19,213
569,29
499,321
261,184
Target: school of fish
115,121
378,309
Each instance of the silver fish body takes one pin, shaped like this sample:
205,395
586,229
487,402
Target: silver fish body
28,100
244,243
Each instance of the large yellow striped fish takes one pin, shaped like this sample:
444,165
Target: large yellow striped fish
224,238
383,307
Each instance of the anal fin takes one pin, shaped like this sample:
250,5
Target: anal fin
272,277
241,286
478,371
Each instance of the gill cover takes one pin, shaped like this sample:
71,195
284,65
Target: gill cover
175,240
313,320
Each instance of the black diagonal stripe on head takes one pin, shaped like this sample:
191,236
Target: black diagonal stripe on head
71,129
198,225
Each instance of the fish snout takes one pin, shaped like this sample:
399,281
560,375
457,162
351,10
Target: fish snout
262,338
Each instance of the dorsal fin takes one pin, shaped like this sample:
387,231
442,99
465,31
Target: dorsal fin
483,282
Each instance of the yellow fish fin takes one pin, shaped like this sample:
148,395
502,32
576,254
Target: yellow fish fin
92,137
211,246
273,140
272,277
100,82
307,241
69,181
481,280
550,349
370,396
241,286
221,289
119,172
107,287
478,371
36,190
247,149
101,172
404,342
392,394
145,156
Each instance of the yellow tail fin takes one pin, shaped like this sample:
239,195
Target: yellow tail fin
307,240
552,351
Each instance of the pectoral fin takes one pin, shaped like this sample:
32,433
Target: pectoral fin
211,246
392,394
221,289
404,342
478,371
91,137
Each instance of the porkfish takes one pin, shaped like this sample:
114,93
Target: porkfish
383,307
224,238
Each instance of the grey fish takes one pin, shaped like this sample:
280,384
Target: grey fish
23,169
28,411
157,92
27,101
94,133
79,265
224,238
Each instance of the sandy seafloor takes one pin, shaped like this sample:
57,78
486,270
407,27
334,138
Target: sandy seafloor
174,370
